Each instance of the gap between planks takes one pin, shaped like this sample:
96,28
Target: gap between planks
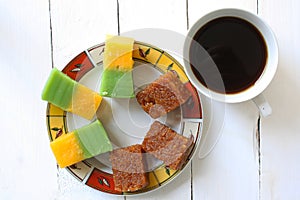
258,137
118,16
51,36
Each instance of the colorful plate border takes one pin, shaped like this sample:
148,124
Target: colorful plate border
191,113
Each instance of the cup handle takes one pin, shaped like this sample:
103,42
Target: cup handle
262,105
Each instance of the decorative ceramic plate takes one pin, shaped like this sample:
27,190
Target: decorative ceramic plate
124,120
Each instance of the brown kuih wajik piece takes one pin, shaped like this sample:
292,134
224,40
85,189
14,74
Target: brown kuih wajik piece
163,95
167,145
128,168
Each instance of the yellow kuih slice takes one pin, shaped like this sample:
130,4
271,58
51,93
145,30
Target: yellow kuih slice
70,95
82,143
116,78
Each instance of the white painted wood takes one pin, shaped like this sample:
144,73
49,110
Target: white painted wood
198,8
168,14
280,133
27,170
231,170
78,25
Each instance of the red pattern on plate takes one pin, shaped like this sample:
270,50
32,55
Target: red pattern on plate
102,181
78,67
192,108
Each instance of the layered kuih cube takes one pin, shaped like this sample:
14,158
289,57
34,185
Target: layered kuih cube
128,167
82,143
70,95
116,80
167,145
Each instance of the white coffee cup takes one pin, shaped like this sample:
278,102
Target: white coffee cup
253,92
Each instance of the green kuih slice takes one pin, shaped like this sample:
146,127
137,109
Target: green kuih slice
93,139
71,96
59,89
116,78
117,84
80,144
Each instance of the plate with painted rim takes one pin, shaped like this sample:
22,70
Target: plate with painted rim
123,119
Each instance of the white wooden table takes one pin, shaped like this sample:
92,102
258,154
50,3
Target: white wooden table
254,158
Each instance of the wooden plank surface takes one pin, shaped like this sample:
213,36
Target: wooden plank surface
170,15
196,9
27,169
236,164
230,170
280,133
78,25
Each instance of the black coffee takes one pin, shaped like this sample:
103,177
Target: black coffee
238,50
